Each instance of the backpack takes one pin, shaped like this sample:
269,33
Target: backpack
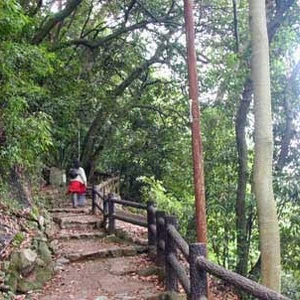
72,173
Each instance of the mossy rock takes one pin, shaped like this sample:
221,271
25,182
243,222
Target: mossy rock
44,251
23,261
37,279
12,280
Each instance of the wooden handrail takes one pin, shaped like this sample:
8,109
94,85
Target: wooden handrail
129,203
130,220
249,286
180,272
179,240
163,234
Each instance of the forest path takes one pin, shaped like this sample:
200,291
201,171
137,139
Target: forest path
94,266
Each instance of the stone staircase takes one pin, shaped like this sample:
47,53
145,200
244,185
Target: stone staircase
91,265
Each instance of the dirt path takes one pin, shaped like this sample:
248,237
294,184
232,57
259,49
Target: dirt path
113,278
92,266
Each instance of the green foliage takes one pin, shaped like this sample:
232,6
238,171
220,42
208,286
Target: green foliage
290,285
220,182
59,96
27,128
287,194
183,209
12,18
27,138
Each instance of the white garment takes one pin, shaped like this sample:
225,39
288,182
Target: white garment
81,177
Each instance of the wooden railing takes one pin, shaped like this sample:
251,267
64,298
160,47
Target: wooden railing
102,190
183,263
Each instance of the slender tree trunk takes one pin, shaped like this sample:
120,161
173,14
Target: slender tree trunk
288,127
241,221
263,189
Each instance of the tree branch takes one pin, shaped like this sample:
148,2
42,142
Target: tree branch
139,70
55,19
275,23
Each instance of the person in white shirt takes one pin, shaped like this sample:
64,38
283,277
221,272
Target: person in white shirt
77,184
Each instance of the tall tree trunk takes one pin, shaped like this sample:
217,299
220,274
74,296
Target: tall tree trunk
241,212
263,189
242,149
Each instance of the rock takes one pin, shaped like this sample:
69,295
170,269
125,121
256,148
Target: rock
40,262
129,252
74,256
41,221
44,251
62,261
116,252
49,231
23,261
57,269
57,177
54,245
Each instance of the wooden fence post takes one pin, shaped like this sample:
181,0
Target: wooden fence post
93,200
118,186
198,278
160,238
111,212
151,223
170,250
105,212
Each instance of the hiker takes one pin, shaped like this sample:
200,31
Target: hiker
77,184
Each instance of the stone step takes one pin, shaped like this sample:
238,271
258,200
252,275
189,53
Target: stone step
78,222
80,235
106,253
70,210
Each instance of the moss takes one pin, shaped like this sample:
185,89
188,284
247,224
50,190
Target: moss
18,239
12,280
40,275
44,252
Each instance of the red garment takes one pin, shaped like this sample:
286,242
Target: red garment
76,187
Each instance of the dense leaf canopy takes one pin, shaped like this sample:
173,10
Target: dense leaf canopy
107,81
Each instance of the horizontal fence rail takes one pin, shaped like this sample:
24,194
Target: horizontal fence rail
183,263
238,281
